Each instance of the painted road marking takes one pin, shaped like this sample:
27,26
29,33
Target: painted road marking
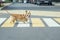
8,24
50,22
2,20
21,24
57,19
36,22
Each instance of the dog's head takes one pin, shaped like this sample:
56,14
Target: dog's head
28,13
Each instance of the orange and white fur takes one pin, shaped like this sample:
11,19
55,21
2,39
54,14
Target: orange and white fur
20,17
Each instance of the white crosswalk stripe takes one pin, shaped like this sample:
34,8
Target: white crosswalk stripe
50,22
21,24
2,20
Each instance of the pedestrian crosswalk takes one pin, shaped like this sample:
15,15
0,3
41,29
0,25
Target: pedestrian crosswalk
57,19
37,22
50,22
34,22
21,24
2,20
7,23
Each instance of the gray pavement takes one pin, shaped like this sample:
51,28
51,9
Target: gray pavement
27,6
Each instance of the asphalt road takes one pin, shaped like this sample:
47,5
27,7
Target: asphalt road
29,33
27,6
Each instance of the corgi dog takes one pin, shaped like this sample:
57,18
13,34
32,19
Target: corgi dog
20,17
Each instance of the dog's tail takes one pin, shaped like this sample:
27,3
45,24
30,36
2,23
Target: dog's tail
8,12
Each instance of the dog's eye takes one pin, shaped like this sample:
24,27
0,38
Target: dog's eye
27,15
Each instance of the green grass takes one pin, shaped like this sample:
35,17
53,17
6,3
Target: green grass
7,1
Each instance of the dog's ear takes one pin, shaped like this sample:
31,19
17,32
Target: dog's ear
26,11
29,13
